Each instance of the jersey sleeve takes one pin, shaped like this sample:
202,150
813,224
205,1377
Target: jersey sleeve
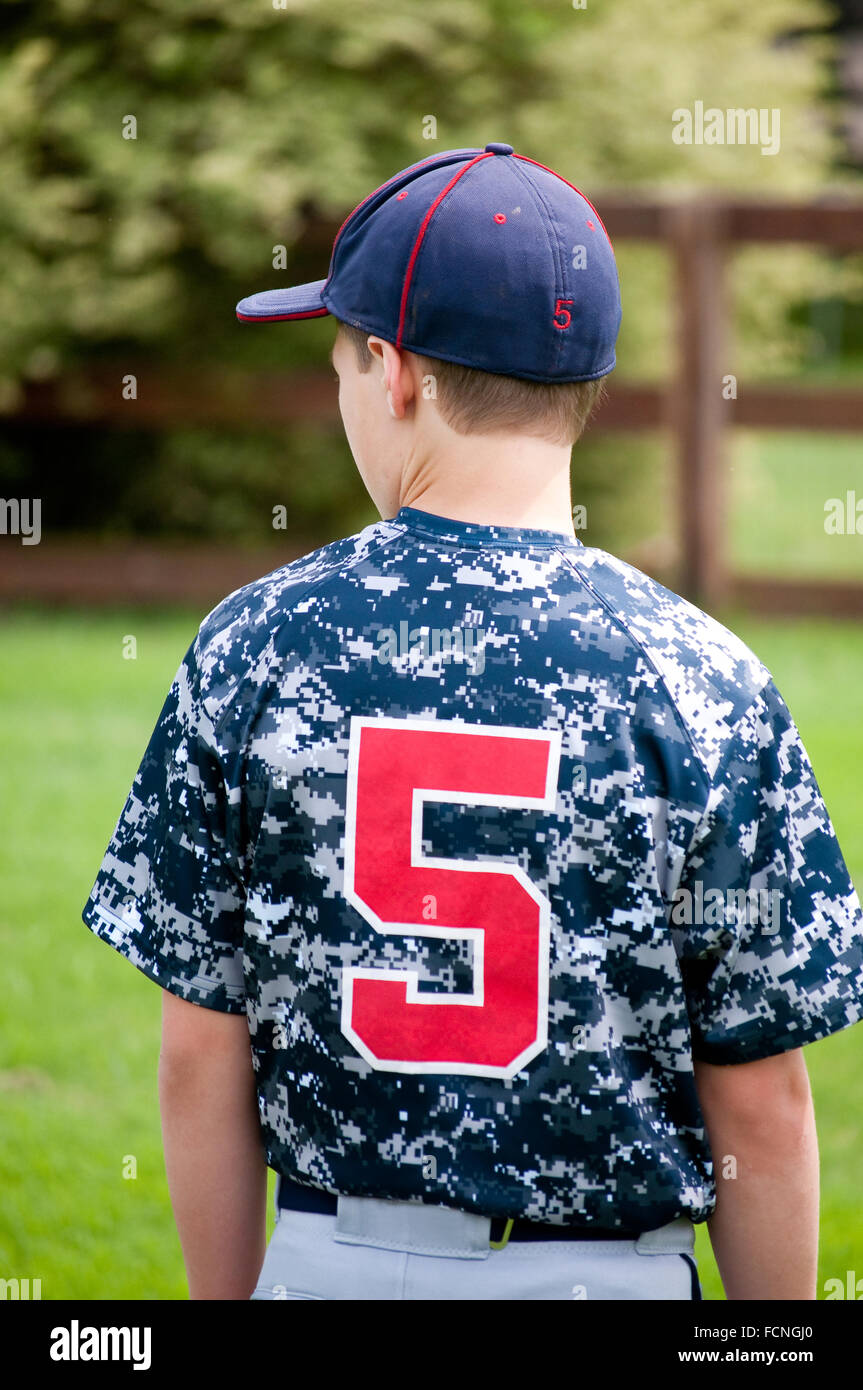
169,894
768,927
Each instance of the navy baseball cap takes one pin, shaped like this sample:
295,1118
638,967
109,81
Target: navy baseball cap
482,257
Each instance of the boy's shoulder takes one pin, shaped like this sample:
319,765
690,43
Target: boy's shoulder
234,639
711,675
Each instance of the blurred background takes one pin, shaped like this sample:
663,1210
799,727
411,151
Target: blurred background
159,162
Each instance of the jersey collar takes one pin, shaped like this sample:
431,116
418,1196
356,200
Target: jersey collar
469,533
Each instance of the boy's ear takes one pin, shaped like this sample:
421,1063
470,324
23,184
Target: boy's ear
376,347
396,376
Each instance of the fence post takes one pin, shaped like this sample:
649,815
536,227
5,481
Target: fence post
695,404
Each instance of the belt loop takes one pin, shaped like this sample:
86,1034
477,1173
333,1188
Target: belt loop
414,1227
500,1244
675,1238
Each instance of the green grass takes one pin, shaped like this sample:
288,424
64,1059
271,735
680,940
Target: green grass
81,1037
818,668
81,1027
778,486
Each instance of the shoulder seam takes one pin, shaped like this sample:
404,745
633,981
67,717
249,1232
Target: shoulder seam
640,645
303,592
652,663
721,764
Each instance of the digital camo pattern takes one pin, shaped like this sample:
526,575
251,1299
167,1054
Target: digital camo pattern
682,780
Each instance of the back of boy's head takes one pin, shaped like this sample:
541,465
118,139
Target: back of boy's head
476,402
495,272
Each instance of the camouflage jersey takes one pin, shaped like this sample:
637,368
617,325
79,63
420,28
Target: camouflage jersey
490,835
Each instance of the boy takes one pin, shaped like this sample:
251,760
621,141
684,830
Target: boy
488,882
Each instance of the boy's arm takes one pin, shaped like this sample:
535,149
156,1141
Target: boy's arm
764,1231
214,1155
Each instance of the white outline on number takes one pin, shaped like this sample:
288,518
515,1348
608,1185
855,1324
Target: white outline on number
552,738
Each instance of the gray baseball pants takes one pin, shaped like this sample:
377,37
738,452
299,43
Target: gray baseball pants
390,1251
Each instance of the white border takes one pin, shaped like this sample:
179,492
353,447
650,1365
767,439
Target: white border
551,737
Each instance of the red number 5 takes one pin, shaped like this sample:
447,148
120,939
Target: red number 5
394,767
564,314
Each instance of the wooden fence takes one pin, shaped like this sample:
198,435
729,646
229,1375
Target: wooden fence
698,233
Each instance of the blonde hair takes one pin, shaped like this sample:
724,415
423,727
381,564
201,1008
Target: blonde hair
475,402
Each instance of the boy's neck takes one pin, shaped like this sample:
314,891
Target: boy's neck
514,481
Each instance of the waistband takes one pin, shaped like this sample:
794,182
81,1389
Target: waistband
426,1229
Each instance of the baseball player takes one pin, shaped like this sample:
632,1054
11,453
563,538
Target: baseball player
488,883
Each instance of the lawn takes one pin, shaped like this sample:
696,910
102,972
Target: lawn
85,1203
778,487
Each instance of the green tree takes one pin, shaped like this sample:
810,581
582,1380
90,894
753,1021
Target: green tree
253,120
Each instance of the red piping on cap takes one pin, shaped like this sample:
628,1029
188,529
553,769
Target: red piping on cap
422,231
429,160
279,318
528,160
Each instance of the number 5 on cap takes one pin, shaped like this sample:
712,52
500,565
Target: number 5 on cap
394,767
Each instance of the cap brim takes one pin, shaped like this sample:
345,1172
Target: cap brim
273,306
